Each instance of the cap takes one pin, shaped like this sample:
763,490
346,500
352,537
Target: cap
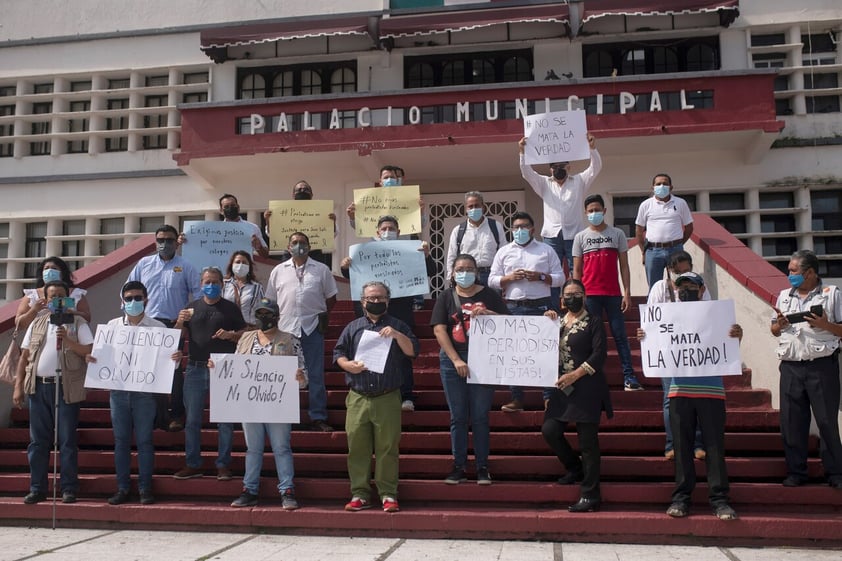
267,304
690,276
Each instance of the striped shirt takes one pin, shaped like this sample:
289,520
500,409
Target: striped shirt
698,387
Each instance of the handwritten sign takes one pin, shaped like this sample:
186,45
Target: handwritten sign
211,243
400,202
688,339
513,350
561,136
399,265
133,359
310,217
254,389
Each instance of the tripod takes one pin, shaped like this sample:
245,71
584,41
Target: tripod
56,404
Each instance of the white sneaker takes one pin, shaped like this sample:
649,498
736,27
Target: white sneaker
407,405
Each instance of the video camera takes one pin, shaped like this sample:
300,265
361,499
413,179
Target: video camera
59,307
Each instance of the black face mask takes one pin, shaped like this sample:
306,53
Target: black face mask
265,323
574,303
560,174
231,212
686,295
376,308
302,195
166,250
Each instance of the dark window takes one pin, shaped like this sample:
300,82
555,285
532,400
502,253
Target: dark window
195,97
111,226
727,201
828,245
120,143
118,83
302,79
823,104
779,247
41,127
775,223
43,88
81,86
734,224
78,125
7,149
819,43
820,81
777,200
152,81
7,91
830,267
768,40
155,141
653,57
196,78
36,247
625,212
827,210
600,62
73,248
467,68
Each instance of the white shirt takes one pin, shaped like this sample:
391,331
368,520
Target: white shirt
75,293
799,341
664,221
145,322
534,256
255,230
478,241
48,359
564,205
301,293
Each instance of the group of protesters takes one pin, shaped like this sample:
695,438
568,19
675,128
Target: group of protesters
230,311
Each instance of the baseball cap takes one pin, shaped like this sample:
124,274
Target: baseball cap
267,304
690,276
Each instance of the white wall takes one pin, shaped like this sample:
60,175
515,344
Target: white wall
763,12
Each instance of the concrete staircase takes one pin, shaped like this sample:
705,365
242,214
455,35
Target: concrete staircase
523,503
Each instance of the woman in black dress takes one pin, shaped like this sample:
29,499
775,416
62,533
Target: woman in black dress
580,396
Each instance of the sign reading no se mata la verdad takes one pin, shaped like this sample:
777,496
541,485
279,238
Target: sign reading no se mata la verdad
254,389
400,202
513,350
309,217
560,136
210,243
689,339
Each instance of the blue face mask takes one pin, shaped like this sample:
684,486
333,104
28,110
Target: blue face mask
51,275
596,218
796,280
522,236
211,290
661,191
474,214
133,308
390,182
465,278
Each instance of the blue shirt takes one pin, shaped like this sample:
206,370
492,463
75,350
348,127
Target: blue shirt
170,284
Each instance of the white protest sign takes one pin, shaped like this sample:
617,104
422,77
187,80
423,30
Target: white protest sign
211,243
398,264
513,350
561,136
254,389
133,359
688,339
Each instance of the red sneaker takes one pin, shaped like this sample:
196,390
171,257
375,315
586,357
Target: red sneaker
390,504
357,503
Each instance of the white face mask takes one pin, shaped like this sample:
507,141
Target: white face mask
388,235
240,270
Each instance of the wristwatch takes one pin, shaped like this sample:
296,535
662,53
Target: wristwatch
542,277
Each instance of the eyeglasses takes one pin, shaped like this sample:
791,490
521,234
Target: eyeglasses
575,295
164,240
374,299
137,298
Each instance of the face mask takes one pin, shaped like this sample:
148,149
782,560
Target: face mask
166,249
231,212
212,291
560,174
390,182
474,214
51,275
388,235
265,323
465,278
299,249
376,308
240,270
596,218
574,303
686,295
302,196
133,308
796,280
522,236
661,191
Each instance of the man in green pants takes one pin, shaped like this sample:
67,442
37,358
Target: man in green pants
373,418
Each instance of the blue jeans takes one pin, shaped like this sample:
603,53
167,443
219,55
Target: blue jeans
464,400
133,409
698,444
196,386
656,261
617,323
563,248
279,434
519,310
313,347
41,425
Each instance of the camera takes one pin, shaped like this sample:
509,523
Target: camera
59,307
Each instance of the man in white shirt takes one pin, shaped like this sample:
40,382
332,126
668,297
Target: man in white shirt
479,236
524,271
563,195
662,226
306,292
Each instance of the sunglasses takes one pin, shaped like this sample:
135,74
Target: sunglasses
138,298
164,240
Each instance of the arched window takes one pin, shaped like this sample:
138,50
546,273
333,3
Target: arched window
453,73
282,84
701,57
634,62
253,86
599,63
517,69
343,80
420,75
664,60
482,71
311,82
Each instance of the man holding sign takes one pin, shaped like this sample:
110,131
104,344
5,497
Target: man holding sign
134,409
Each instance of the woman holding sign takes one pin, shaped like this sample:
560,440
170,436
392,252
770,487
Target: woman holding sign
580,397
451,322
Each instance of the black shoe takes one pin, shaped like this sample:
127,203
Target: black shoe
122,496
34,497
456,476
146,498
68,497
678,510
835,482
585,505
483,477
245,499
320,425
793,481
571,477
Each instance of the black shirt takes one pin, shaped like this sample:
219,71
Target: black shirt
445,311
208,319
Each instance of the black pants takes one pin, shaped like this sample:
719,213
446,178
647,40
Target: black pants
686,414
553,431
805,385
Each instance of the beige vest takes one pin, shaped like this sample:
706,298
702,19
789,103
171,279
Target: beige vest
73,366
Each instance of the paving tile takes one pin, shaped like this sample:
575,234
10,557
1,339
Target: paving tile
308,548
625,552
451,550
16,543
784,554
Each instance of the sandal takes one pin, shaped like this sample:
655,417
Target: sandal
678,510
724,512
